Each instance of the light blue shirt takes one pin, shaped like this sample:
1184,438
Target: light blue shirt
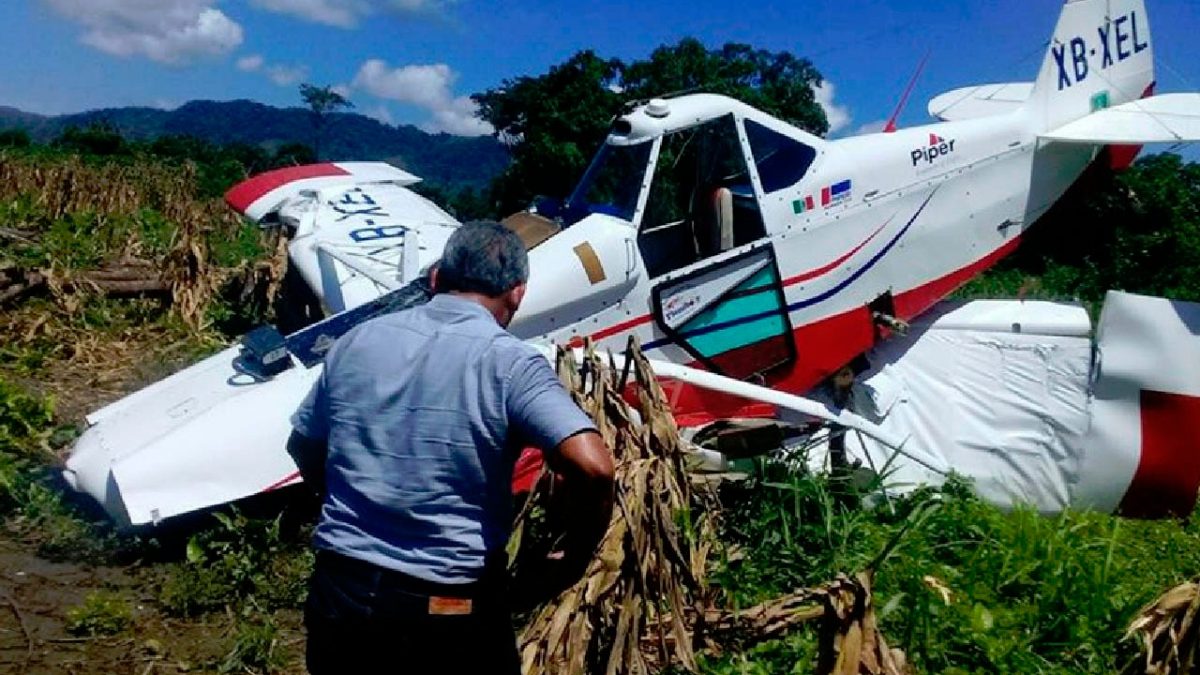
424,412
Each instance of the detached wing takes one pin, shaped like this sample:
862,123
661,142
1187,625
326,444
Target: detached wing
259,196
357,230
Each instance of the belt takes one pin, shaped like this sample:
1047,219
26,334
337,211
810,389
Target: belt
494,578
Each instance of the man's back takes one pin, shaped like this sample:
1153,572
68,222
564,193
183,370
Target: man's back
425,413
411,434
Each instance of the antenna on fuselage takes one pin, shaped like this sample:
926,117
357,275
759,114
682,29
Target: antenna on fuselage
891,123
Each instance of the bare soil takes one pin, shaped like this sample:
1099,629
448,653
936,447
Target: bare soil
36,594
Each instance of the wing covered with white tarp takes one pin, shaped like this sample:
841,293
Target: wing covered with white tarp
997,390
1016,397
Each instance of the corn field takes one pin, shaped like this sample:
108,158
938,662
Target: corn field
105,209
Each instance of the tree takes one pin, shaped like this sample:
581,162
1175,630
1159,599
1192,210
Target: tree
15,138
554,123
323,102
101,139
1137,231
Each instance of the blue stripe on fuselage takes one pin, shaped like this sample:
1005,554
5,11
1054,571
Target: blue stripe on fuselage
808,302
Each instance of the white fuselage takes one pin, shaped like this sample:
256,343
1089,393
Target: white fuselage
928,208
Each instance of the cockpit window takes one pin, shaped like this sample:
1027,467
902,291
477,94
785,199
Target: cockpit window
781,161
612,183
701,202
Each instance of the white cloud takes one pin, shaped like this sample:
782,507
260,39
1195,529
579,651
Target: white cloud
425,86
459,119
340,13
381,114
286,76
838,115
251,64
168,31
349,13
870,128
418,6
280,74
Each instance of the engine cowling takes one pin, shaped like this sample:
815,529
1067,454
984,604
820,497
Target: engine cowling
576,273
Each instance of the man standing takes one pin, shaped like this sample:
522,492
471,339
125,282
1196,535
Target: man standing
411,433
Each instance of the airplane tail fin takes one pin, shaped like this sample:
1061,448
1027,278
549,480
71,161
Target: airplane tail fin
1100,56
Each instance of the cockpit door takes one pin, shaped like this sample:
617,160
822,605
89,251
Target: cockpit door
730,314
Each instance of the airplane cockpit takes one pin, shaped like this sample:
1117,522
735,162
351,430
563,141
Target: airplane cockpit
682,198
691,191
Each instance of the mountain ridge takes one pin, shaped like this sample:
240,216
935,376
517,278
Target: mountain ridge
438,158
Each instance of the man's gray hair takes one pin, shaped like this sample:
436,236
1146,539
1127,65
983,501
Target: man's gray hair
483,256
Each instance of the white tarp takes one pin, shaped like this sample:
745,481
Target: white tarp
1009,395
996,389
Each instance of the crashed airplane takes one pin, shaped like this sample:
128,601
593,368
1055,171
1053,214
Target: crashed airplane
750,259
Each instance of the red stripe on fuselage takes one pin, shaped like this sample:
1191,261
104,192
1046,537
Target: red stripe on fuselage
814,273
822,348
622,327
286,480
790,281
242,195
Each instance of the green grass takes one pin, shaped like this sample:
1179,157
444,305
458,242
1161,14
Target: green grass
102,613
1028,593
240,562
255,648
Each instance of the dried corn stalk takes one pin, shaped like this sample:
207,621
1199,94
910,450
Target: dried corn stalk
643,603
646,566
1169,632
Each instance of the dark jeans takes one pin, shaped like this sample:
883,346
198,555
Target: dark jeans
365,619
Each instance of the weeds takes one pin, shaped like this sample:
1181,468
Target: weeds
971,588
102,613
239,562
255,648
27,501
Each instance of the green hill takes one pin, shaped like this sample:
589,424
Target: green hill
438,158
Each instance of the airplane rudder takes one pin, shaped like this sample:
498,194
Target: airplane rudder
1099,56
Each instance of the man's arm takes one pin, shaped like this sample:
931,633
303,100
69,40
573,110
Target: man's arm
309,442
544,414
309,455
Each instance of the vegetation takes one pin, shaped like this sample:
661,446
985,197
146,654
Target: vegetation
102,613
255,648
322,102
239,564
970,588
967,588
554,123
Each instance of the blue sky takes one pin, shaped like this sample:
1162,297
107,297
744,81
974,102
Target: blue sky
416,61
